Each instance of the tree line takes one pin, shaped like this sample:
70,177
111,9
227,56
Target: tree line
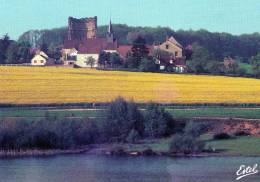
220,45
123,122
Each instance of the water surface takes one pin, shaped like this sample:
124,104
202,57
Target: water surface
92,168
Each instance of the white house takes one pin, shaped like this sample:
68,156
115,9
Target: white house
40,59
82,60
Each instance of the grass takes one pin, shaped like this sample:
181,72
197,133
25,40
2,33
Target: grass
244,146
36,114
247,67
249,113
247,145
45,85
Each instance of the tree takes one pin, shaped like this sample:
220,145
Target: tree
4,44
199,59
158,123
139,50
90,61
121,118
255,61
102,58
44,47
115,60
188,141
148,65
215,67
24,52
12,56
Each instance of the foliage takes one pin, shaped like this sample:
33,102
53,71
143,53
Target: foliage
199,59
45,134
90,61
221,136
12,52
109,59
158,123
122,118
185,144
148,65
139,51
103,58
255,61
115,60
196,129
133,136
188,141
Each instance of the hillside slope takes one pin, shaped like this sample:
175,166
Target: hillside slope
28,85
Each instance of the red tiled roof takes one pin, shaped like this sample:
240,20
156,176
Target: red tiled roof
91,46
69,44
123,50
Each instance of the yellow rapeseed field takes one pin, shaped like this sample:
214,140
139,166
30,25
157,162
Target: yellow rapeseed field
35,85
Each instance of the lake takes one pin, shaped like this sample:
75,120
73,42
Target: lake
98,168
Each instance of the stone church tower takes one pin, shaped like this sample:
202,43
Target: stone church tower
80,29
91,27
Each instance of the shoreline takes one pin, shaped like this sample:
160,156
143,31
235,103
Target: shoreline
5,154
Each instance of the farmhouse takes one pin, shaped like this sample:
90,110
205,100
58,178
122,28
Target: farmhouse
40,59
171,57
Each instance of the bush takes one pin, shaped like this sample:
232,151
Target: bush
221,136
158,123
132,136
242,133
188,141
148,65
44,134
185,144
196,129
121,118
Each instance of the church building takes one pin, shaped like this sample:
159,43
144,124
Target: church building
83,41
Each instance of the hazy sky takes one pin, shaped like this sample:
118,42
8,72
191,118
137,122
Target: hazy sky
233,16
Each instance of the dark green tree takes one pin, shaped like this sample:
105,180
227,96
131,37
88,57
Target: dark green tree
199,59
115,60
4,44
158,123
121,118
148,65
255,61
139,51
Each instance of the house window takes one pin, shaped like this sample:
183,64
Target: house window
35,61
167,46
176,53
41,61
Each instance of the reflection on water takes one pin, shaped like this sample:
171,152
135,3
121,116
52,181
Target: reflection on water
91,168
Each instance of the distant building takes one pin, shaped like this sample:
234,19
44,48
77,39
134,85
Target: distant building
172,46
77,50
40,59
229,63
79,29
174,59
69,56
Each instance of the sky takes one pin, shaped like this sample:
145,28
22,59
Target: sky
232,16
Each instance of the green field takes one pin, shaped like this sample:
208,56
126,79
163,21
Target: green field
247,67
244,146
247,145
36,114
